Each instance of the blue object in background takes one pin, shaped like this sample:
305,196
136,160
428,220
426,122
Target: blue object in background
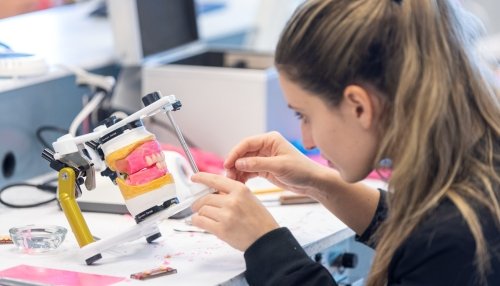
206,7
298,144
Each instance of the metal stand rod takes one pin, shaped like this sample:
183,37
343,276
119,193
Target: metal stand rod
183,142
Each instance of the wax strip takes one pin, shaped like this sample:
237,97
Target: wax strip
5,239
155,272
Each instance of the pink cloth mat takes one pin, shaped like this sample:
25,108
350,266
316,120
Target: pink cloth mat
206,161
58,277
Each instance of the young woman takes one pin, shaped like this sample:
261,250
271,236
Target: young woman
373,80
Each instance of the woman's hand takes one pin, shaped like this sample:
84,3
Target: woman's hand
271,156
233,214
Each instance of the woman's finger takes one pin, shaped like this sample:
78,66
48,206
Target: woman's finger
211,212
250,145
214,200
258,164
217,182
205,223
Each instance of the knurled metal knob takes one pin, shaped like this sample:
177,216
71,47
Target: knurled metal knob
150,98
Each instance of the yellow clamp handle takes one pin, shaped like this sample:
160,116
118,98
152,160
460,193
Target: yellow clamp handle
67,199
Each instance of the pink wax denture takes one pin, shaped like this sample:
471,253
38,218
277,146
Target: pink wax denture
144,164
137,161
145,176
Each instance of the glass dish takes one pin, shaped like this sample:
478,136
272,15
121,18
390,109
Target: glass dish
37,238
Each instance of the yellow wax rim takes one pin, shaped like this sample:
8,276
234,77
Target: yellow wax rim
130,191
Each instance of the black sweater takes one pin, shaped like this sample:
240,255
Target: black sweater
440,251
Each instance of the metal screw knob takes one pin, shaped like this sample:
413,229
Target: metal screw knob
150,98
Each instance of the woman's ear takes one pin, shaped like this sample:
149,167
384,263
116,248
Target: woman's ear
359,104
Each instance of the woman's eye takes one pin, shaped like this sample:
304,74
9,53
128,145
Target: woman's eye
301,117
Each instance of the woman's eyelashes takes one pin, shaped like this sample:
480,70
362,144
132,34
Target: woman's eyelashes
299,115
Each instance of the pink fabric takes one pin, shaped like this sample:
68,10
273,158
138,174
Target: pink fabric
206,162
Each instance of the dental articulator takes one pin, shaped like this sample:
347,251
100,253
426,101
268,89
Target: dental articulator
127,153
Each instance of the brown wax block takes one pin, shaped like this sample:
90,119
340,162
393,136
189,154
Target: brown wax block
292,199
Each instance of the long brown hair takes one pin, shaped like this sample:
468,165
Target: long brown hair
441,119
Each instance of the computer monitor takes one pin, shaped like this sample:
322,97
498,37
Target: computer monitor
143,28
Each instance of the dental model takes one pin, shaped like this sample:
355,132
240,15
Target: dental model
131,157
143,178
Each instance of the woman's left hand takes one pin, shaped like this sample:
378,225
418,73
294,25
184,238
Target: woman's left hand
233,214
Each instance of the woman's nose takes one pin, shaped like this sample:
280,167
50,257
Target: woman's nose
307,140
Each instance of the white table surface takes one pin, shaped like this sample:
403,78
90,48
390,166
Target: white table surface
200,258
63,35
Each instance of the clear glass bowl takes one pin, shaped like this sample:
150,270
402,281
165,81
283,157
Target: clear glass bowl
37,238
